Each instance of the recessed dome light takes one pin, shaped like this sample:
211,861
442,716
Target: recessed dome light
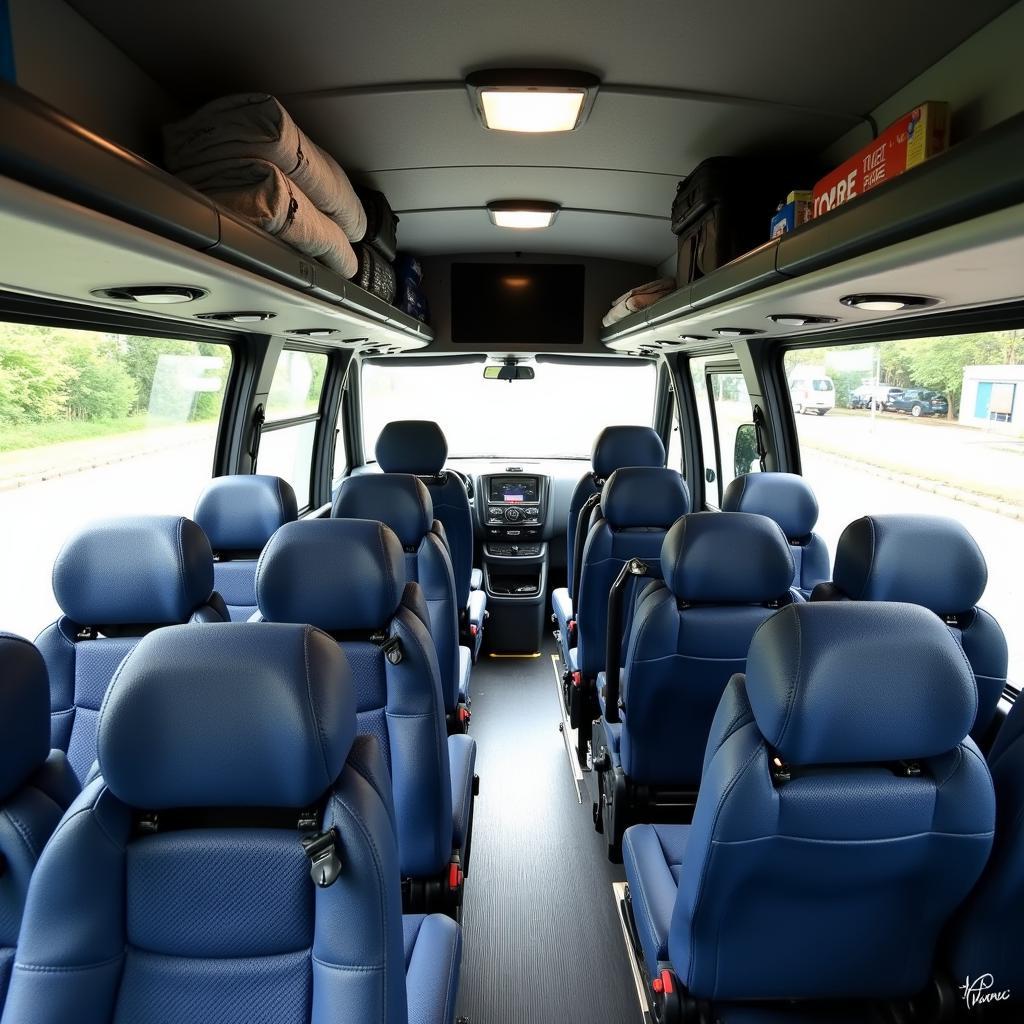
522,214
159,295
883,303
237,318
736,332
798,320
532,100
315,332
694,337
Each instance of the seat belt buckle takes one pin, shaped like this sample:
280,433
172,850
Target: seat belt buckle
455,876
577,679
474,629
324,859
464,715
667,1003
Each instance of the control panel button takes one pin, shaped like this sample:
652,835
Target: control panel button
495,511
513,515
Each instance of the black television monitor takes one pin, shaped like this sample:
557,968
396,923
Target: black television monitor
517,303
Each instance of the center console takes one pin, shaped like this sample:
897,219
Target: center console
513,509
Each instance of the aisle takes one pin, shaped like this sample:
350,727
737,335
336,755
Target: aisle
541,932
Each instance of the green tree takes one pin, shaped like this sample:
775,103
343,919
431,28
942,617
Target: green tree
99,387
33,377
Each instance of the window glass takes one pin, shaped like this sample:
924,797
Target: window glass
556,415
287,451
924,425
95,425
723,404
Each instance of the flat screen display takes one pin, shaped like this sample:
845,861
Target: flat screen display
517,303
513,490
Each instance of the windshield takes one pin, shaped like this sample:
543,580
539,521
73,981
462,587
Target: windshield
556,415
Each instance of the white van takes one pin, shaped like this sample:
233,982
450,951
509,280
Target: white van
812,394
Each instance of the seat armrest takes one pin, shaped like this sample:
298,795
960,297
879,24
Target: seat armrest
462,763
475,607
476,579
433,956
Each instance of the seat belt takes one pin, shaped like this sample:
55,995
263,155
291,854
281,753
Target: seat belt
613,650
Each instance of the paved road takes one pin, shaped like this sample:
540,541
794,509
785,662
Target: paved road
37,517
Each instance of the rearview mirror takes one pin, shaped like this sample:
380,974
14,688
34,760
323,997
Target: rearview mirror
509,372
744,453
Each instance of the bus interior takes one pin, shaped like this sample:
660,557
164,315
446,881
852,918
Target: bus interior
404,409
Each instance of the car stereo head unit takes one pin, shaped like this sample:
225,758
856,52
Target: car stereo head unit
511,490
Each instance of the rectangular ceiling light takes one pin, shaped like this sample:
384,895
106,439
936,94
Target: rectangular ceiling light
532,101
523,214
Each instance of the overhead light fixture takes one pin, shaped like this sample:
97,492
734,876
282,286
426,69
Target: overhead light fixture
796,320
883,303
237,318
694,337
157,294
532,100
736,332
315,332
522,214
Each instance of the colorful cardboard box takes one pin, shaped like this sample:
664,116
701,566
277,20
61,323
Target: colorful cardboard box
796,211
917,136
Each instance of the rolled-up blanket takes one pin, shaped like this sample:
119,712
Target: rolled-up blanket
258,192
375,273
256,125
638,298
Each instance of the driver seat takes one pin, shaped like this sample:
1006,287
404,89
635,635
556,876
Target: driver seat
419,448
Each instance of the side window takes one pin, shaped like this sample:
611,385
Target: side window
293,411
730,403
94,425
723,404
923,425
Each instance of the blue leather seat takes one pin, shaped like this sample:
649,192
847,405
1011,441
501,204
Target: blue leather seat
614,448
985,937
239,514
37,784
402,502
638,505
347,577
116,580
419,447
178,887
934,562
843,815
724,574
788,499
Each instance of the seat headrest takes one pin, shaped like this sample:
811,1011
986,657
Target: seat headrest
639,496
399,500
239,714
727,558
927,560
784,497
240,513
843,682
24,712
153,570
411,446
621,446
337,574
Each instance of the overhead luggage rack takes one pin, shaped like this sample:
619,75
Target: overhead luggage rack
154,229
952,229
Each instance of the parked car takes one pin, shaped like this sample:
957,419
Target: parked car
813,394
920,402
881,394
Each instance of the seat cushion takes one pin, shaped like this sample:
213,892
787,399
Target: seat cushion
433,954
462,765
653,857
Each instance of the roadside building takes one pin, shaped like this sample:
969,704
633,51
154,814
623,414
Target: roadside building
993,396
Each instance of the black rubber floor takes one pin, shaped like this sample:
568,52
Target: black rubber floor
542,941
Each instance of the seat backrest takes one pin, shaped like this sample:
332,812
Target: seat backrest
37,785
842,810
239,514
934,562
178,887
638,505
984,938
724,574
116,580
402,502
419,447
346,576
614,448
788,499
